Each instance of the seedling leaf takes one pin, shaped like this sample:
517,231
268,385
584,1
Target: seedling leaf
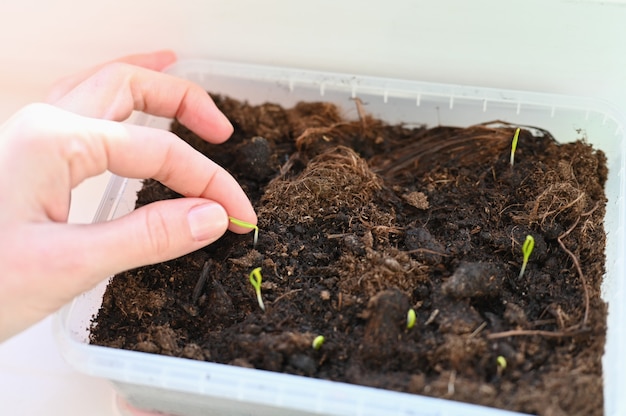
255,280
514,145
501,361
410,318
246,224
318,342
527,249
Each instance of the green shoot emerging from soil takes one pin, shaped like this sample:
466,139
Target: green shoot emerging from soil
246,224
318,342
255,281
410,318
514,146
527,248
501,363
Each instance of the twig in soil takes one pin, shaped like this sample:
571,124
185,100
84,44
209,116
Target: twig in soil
548,191
478,330
301,140
583,280
451,142
530,332
197,290
535,131
432,317
427,251
284,295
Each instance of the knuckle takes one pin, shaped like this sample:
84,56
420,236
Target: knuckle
158,235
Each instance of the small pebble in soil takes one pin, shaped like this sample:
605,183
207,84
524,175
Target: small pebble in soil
474,279
255,156
386,319
305,364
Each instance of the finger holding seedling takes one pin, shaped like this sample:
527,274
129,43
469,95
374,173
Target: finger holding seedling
247,225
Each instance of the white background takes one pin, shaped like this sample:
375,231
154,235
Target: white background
575,47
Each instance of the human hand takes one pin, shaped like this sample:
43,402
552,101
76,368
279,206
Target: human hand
48,149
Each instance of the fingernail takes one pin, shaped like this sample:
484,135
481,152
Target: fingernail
207,222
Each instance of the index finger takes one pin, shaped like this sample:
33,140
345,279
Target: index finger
155,61
71,148
116,89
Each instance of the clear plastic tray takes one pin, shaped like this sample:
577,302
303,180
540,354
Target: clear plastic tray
185,387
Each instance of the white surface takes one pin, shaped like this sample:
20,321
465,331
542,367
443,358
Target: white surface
34,379
555,46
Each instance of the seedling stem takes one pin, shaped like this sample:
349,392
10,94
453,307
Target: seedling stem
501,364
255,281
527,248
514,146
246,224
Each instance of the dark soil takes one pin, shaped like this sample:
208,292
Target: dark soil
361,221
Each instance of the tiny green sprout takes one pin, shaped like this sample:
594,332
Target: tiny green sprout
246,224
255,281
501,362
514,146
410,318
527,248
318,342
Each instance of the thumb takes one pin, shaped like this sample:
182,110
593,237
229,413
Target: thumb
157,232
154,233
64,260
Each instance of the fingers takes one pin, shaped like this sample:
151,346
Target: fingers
70,148
154,233
48,264
130,87
155,61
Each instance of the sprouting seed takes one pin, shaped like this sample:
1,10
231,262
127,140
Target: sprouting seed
246,224
410,318
318,342
514,145
255,280
527,248
501,364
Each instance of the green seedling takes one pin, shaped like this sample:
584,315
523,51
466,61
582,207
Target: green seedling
410,318
246,224
514,145
255,280
318,342
527,248
501,363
